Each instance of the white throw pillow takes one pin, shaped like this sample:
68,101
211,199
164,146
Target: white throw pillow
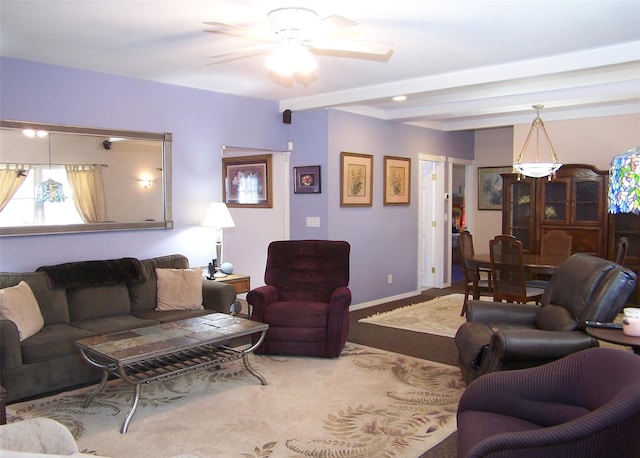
179,289
18,304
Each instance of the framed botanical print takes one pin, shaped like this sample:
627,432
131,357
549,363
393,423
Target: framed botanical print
246,181
490,187
397,180
356,180
306,180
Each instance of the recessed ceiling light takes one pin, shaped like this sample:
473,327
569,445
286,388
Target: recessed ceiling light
399,98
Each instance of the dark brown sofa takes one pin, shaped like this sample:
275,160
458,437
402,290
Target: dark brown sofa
49,360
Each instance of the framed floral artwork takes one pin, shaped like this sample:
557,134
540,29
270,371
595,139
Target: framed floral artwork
306,180
356,180
490,187
246,181
397,180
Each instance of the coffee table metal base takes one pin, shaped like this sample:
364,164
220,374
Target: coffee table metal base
168,366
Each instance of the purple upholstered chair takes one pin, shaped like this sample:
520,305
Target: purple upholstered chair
584,405
305,300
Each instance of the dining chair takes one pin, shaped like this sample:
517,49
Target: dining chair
623,247
556,244
507,272
472,273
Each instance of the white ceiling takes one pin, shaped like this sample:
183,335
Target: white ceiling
463,64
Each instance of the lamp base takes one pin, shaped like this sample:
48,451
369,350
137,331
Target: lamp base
219,275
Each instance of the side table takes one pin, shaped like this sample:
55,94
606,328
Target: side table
242,284
616,336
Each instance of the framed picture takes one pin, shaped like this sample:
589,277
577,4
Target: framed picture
306,180
246,181
356,180
397,180
490,187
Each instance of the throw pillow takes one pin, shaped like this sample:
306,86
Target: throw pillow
18,304
179,289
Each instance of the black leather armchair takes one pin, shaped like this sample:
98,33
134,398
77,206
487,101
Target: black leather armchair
503,336
585,405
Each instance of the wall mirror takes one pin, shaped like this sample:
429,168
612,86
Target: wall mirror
65,179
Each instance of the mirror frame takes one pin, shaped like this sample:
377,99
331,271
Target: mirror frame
166,138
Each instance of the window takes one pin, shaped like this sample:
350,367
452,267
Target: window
23,210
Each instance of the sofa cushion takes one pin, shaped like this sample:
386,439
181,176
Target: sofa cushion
52,301
98,301
179,289
167,316
114,323
143,295
55,341
18,304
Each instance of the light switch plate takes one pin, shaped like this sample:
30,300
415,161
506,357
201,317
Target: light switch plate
313,221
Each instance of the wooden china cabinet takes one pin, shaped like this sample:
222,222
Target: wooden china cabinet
574,201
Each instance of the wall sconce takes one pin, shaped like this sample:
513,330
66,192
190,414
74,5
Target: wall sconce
146,182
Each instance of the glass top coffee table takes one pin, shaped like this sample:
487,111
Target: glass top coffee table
164,351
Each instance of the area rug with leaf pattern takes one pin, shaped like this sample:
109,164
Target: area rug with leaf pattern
366,403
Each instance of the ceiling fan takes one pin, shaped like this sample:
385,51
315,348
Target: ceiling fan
294,33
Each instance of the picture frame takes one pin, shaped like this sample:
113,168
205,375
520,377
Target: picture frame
306,180
356,180
490,187
247,181
397,180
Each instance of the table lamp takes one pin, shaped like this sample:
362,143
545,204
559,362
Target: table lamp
218,216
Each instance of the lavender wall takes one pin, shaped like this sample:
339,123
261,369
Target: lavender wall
384,239
201,122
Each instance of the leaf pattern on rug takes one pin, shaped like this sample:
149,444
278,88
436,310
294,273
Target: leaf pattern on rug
431,398
410,406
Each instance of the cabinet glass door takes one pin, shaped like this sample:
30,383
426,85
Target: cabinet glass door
522,205
587,201
555,201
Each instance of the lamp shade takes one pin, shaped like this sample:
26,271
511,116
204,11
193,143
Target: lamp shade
624,182
217,216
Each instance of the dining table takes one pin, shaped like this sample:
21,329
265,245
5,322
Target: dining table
534,264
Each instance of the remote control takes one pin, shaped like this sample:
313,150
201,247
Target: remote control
598,324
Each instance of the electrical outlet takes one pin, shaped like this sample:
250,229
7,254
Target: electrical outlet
390,279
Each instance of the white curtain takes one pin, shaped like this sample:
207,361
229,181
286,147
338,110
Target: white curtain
88,191
11,178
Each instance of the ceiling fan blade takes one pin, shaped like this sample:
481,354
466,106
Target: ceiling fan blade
240,53
239,31
331,25
376,48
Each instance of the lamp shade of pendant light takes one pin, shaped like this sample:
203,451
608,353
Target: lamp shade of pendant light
537,133
624,182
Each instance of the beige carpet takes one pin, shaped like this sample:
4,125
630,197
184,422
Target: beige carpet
439,316
368,402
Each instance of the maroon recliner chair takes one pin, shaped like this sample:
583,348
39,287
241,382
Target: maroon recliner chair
305,300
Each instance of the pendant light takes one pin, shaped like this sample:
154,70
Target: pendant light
537,169
50,190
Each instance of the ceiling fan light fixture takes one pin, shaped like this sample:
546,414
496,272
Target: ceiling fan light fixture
292,58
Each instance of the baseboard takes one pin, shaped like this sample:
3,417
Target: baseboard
383,300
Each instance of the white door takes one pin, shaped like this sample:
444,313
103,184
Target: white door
432,272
